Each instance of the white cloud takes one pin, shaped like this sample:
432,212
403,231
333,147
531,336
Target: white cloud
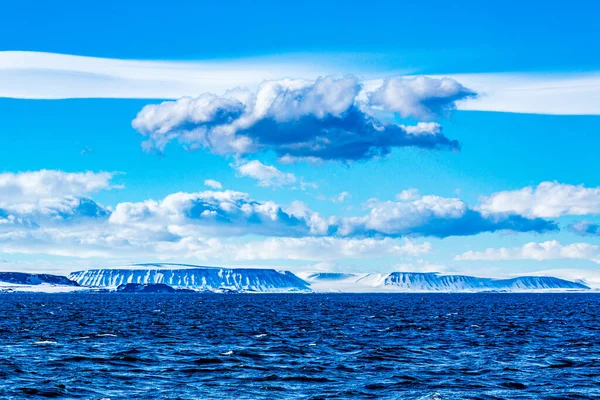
547,200
109,242
420,97
36,75
533,93
225,213
327,119
420,266
181,217
31,186
327,249
341,198
57,210
230,213
33,75
211,183
408,195
266,175
549,250
423,128
209,225
436,216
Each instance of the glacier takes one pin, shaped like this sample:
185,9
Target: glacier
194,277
432,282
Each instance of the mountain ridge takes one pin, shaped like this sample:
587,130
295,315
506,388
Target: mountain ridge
219,279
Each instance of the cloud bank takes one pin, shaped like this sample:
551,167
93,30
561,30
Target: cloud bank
218,223
549,250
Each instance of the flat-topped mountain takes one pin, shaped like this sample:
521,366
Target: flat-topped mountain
433,282
194,277
22,278
148,277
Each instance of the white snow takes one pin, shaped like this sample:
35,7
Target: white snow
198,278
430,282
41,288
217,279
587,276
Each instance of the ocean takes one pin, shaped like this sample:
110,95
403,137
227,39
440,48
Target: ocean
300,346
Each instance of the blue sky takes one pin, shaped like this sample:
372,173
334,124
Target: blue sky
503,181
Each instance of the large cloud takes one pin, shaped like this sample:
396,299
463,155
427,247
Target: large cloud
549,250
328,119
48,198
226,213
547,200
43,184
434,216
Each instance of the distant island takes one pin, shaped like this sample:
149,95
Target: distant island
177,278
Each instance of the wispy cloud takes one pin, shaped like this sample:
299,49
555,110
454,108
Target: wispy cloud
33,75
549,250
342,197
585,228
534,93
36,75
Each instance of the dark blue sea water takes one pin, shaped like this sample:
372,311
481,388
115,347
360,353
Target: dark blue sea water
189,346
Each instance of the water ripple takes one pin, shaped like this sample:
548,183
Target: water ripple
327,346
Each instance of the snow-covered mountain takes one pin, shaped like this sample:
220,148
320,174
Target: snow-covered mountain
194,277
432,282
588,277
218,279
22,278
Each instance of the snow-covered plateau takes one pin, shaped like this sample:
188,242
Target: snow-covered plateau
433,282
192,277
227,280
